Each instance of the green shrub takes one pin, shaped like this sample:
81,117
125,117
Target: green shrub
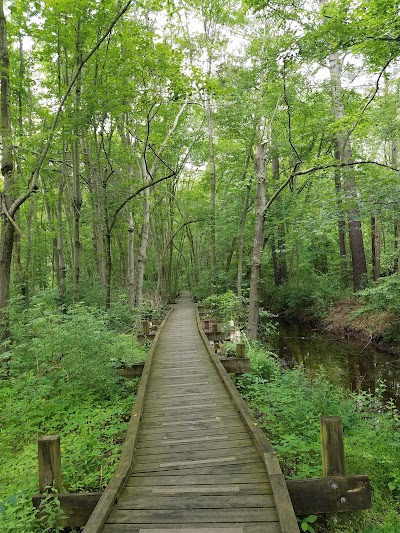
311,296
224,306
288,406
61,378
383,296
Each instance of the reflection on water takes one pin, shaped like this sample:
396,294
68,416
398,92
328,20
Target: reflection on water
350,363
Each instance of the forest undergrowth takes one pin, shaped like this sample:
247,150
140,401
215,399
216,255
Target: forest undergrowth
288,405
59,376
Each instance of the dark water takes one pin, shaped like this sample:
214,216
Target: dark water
349,363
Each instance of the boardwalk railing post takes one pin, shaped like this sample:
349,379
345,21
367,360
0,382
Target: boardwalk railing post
146,327
240,349
49,457
332,446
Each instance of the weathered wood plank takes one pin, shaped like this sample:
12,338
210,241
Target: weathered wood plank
202,443
160,439
213,422
196,463
330,494
234,365
132,371
260,527
76,507
243,468
240,488
190,454
193,501
196,479
194,516
174,415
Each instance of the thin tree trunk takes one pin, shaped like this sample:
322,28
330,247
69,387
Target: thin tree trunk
77,194
142,253
278,251
97,204
376,248
61,274
211,159
50,222
7,226
76,205
394,162
243,218
341,221
131,260
258,244
108,269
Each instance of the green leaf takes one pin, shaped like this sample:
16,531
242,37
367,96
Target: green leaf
312,518
304,526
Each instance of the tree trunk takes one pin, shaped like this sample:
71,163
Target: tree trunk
376,248
278,250
77,194
258,244
76,205
396,228
341,220
61,273
131,260
108,269
97,204
359,264
243,219
50,223
211,159
142,254
7,226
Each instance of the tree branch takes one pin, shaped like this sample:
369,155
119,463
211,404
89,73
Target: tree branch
176,233
370,99
341,165
136,193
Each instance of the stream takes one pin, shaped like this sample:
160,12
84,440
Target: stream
349,363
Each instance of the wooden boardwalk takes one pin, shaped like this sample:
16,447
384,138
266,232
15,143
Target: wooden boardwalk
198,462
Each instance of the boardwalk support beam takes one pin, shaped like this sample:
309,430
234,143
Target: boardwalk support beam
308,496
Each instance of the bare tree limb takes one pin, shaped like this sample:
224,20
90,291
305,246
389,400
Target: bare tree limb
283,186
289,113
341,165
370,99
176,233
136,193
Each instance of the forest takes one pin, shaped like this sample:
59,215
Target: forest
245,151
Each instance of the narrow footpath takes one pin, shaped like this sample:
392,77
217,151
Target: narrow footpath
196,466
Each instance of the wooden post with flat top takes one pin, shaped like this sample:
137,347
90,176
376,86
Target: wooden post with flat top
49,456
146,327
240,349
332,446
